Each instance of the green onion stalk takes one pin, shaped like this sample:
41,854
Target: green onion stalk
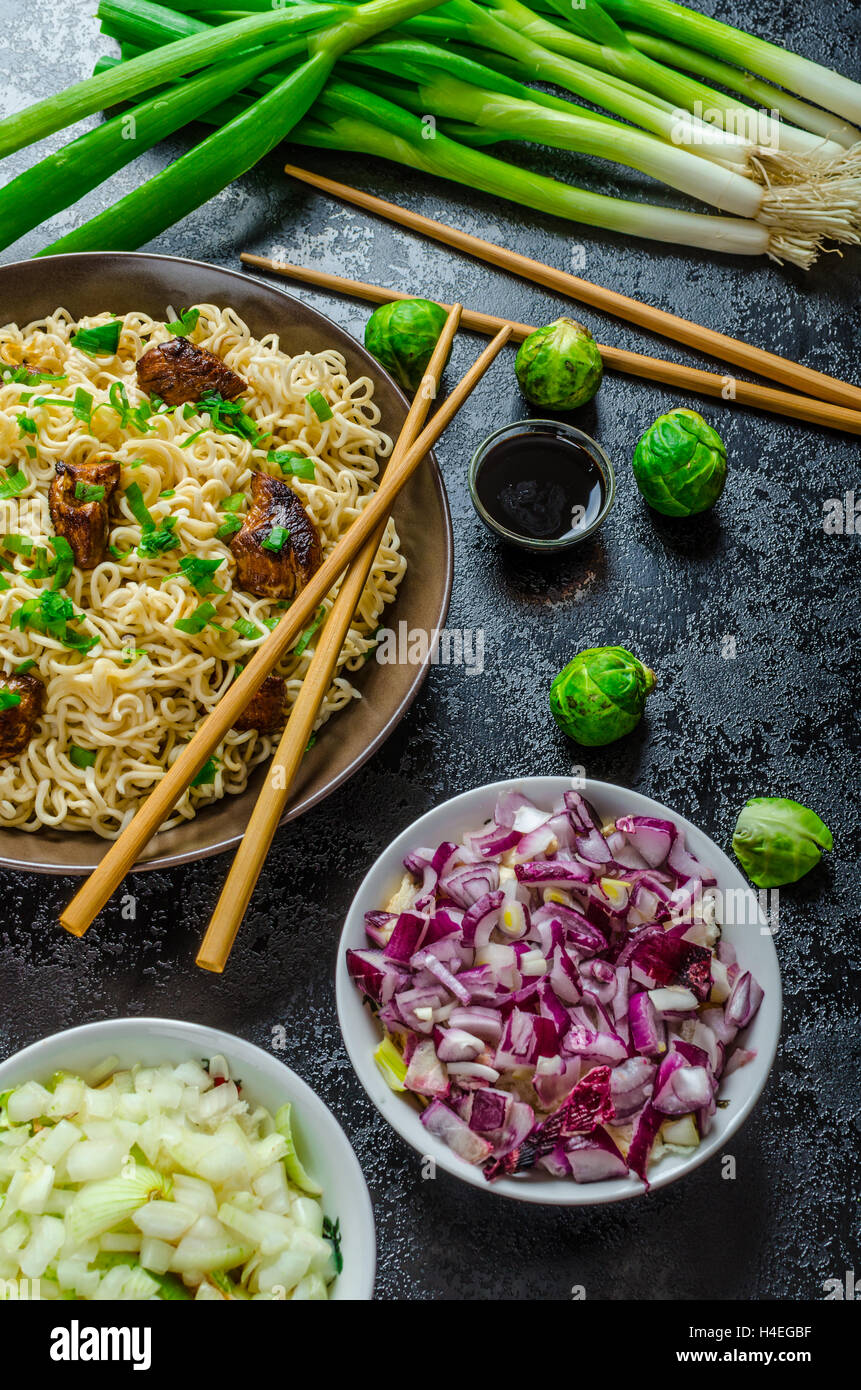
807,79
237,146
756,92
588,34
154,69
498,108
806,193
492,108
350,118
62,178
823,178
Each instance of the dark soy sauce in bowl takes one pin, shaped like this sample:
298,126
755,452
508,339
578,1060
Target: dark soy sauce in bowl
536,483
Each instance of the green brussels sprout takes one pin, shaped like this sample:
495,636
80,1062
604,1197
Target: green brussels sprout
402,335
600,695
680,464
778,841
559,366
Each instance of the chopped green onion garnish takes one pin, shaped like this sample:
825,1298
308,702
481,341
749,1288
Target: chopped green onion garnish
292,464
277,539
50,614
227,528
24,667
31,451
26,425
156,540
198,572
234,503
8,698
89,492
168,492
185,324
20,545
65,561
82,405
81,757
203,614
102,341
206,775
246,629
138,507
319,405
24,376
227,417
309,631
14,485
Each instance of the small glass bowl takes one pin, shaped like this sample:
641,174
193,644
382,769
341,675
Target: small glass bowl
589,445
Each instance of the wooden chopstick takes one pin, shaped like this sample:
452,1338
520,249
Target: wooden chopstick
124,852
654,369
248,861
706,340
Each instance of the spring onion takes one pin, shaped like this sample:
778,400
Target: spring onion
8,698
350,119
236,147
808,79
277,539
101,341
206,775
138,507
89,492
156,540
293,464
199,573
152,69
64,177
14,485
319,405
186,323
82,757
198,620
229,527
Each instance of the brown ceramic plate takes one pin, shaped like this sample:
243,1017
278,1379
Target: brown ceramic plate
94,281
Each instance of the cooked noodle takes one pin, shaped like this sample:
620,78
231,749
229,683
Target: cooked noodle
137,697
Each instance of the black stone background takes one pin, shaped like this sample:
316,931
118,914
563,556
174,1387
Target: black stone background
781,718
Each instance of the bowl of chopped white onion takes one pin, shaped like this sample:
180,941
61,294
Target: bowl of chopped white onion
150,1158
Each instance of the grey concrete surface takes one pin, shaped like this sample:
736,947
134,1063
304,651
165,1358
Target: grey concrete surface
779,718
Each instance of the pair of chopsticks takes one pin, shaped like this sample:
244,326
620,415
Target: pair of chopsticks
655,369
355,550
803,380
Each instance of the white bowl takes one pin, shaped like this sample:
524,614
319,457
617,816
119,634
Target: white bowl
320,1140
451,821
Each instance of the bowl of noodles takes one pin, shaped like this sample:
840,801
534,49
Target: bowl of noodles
127,604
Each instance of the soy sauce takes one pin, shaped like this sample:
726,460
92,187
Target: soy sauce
541,485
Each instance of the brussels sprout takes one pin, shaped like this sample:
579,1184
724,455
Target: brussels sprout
600,695
778,841
402,335
559,366
680,464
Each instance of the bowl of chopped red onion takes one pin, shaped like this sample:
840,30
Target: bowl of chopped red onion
561,991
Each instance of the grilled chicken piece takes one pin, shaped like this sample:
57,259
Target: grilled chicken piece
179,372
18,722
84,524
270,573
265,712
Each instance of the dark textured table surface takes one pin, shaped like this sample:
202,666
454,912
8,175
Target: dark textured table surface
781,717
